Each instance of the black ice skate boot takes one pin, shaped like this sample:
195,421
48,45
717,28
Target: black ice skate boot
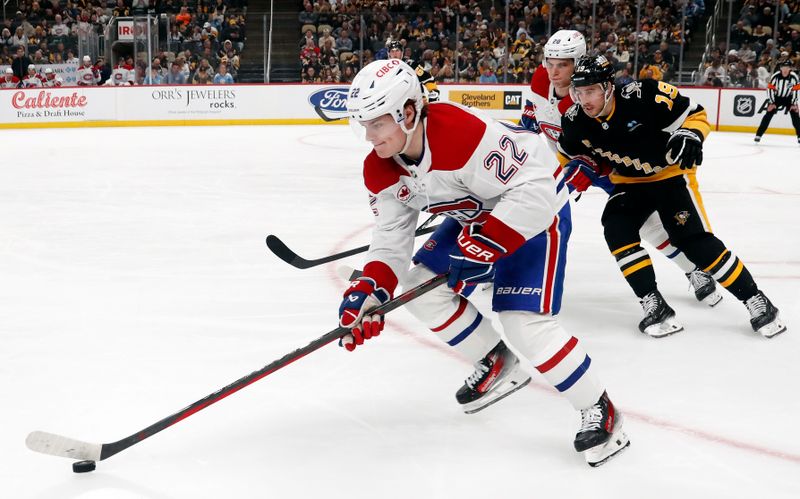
496,376
601,436
659,318
764,316
704,287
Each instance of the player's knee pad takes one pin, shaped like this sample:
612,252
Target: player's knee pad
431,307
653,231
531,333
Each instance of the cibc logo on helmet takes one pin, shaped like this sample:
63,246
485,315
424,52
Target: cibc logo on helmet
387,67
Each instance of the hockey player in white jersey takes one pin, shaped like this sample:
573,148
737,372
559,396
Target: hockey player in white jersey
88,75
122,74
52,79
507,198
548,99
32,78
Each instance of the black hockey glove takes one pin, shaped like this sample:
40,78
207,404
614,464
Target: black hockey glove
685,147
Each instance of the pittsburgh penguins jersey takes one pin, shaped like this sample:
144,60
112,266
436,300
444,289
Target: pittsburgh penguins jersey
633,137
543,105
426,79
472,169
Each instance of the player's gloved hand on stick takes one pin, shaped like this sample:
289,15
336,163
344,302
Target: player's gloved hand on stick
473,261
361,296
583,171
528,119
685,147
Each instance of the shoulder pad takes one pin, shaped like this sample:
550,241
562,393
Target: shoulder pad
380,173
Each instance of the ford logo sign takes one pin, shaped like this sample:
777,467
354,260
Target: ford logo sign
330,99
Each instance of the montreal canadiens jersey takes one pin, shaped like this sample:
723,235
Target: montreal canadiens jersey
633,137
545,106
473,169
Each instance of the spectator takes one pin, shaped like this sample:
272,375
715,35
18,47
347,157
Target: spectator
20,39
487,75
202,76
154,77
223,77
20,63
175,75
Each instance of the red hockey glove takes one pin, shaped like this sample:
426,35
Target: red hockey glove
361,296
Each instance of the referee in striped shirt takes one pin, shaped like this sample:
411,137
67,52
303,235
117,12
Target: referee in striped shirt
782,92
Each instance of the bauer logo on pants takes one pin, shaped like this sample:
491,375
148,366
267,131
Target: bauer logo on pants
744,105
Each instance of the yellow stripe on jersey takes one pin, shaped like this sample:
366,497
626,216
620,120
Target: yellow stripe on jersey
698,121
620,250
563,160
630,270
668,172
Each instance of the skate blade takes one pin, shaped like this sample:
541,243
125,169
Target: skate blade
773,329
662,329
712,298
498,395
615,446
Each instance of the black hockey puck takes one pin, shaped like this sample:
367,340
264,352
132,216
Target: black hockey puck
83,466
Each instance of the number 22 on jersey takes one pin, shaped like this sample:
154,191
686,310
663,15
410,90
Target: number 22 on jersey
497,160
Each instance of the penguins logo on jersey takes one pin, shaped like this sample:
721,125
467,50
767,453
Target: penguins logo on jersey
632,88
682,217
572,112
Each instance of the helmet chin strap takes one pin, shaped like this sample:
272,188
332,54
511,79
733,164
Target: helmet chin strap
409,133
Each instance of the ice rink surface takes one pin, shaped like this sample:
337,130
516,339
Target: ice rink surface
134,280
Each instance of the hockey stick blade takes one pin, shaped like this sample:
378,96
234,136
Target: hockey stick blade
325,117
287,255
57,445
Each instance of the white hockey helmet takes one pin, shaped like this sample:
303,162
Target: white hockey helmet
9,71
384,87
565,44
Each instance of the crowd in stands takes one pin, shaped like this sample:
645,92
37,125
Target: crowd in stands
753,53
203,44
466,41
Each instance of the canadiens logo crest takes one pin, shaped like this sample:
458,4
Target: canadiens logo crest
553,132
681,217
632,88
429,245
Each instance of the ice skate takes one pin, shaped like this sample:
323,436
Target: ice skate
757,139
601,436
496,376
704,287
764,316
659,318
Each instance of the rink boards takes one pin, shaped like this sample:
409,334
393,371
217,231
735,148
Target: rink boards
728,109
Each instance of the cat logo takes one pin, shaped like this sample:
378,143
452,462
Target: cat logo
681,217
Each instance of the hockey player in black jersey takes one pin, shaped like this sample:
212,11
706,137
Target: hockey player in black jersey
395,49
653,137
782,91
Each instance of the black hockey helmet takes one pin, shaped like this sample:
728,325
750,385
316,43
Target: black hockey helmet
592,69
393,45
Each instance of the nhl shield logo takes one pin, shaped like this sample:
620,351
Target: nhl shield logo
744,105
681,217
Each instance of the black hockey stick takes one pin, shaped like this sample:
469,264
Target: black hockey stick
287,255
325,117
56,445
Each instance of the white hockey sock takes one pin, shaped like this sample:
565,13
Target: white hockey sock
653,232
452,318
558,356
